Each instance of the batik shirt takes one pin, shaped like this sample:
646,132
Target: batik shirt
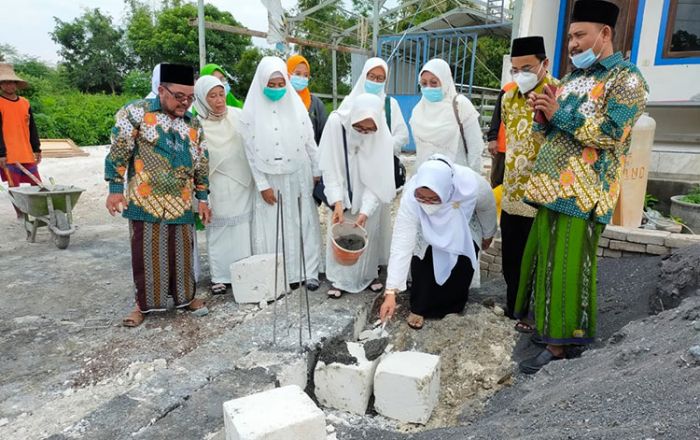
521,148
578,168
164,160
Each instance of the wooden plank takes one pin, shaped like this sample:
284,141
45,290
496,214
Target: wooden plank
60,148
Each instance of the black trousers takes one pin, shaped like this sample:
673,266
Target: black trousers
431,300
498,168
514,232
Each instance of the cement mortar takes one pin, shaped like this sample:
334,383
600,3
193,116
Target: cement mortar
336,350
375,347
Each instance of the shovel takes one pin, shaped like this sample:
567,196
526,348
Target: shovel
32,177
376,332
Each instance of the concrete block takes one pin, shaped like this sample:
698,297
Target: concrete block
497,244
253,279
483,265
599,252
647,236
485,274
346,387
681,240
627,246
615,232
603,242
657,250
407,385
486,257
495,268
609,253
280,414
499,260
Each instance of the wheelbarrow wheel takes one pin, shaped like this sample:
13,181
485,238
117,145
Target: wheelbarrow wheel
61,241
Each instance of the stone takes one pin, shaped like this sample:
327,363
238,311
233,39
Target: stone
681,240
484,265
346,386
647,236
498,311
609,253
495,268
498,260
627,246
407,385
657,250
603,242
599,252
253,279
486,257
694,352
615,232
278,414
696,326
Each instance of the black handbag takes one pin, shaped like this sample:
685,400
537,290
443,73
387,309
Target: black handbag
319,192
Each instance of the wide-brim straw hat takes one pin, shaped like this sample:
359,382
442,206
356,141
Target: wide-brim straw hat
7,73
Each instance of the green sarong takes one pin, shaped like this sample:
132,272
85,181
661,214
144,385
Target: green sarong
559,265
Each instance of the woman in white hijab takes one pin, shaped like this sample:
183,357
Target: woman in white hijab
364,133
280,146
230,182
155,82
434,238
434,121
373,79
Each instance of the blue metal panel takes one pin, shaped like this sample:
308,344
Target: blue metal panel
636,38
407,102
560,38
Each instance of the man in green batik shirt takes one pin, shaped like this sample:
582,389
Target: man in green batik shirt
576,180
159,150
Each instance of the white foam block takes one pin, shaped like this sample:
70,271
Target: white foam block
407,386
280,414
253,279
346,387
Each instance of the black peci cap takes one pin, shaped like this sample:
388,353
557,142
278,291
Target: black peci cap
527,46
595,11
177,74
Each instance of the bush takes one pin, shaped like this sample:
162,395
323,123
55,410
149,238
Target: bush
86,119
137,83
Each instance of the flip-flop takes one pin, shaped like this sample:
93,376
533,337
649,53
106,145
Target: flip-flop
133,319
218,288
523,327
376,287
415,326
334,293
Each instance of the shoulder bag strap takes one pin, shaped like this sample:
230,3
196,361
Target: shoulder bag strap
347,164
461,127
387,111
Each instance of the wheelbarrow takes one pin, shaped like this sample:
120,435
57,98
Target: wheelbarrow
47,206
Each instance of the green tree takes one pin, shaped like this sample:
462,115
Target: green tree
244,71
137,83
165,34
93,51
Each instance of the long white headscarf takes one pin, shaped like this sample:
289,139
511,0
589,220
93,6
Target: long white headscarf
155,82
435,122
359,88
223,133
375,151
446,230
290,111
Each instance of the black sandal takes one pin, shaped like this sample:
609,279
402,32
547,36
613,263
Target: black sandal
218,288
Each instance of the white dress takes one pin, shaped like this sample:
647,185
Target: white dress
231,196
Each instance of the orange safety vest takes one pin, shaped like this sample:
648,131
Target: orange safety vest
15,130
501,140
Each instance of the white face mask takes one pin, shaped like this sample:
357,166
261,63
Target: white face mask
430,209
527,80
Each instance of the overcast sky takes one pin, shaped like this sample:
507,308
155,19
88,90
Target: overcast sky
27,23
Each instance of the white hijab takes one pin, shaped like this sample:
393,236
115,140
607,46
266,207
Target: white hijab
447,230
434,123
290,111
375,151
223,135
155,82
359,88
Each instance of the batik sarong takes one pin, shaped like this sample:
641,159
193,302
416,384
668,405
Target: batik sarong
162,264
559,267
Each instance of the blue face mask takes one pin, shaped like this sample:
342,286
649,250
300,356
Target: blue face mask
274,93
432,94
585,59
299,82
227,88
374,88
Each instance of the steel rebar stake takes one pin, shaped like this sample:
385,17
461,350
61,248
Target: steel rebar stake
277,250
303,264
284,262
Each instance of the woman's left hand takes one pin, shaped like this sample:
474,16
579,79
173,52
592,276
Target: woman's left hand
361,220
204,213
317,179
486,243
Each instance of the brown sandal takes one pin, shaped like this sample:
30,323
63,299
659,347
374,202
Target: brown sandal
133,319
413,317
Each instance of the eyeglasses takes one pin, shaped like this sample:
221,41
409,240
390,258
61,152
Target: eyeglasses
180,97
376,78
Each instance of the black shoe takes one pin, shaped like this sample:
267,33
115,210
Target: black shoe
535,364
312,284
293,286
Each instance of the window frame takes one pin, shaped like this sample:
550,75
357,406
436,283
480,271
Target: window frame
663,54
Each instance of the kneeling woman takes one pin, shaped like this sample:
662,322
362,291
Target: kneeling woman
445,211
357,162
